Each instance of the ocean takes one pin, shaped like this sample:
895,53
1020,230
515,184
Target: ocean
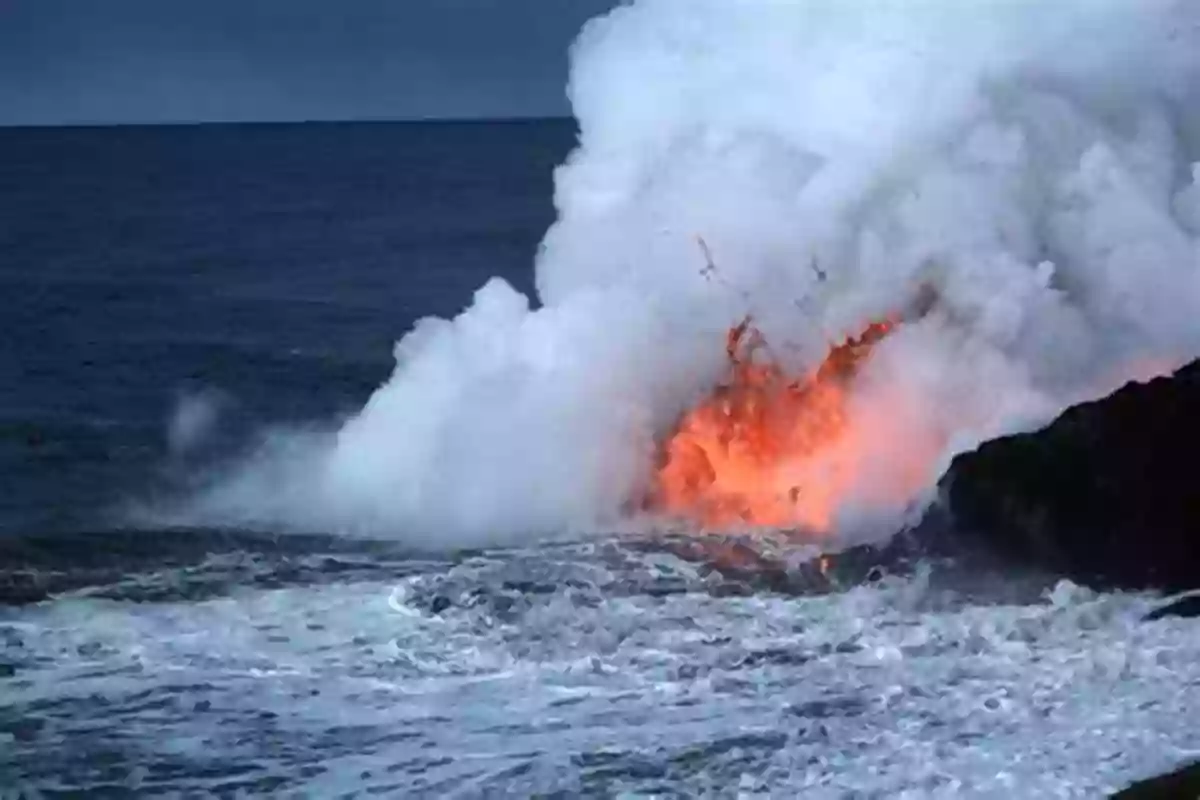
167,294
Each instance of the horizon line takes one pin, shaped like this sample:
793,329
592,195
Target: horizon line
171,123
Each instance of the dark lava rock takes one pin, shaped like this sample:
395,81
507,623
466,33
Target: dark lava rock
1187,606
1106,495
1183,783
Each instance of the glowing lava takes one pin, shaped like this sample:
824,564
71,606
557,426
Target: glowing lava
765,449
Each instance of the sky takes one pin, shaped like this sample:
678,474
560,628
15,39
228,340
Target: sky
112,61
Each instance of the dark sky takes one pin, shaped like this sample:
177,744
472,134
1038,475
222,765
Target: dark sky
79,61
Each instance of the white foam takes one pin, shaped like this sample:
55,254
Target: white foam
885,690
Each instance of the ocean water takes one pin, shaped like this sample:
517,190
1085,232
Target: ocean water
162,287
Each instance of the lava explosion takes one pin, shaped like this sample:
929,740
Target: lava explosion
765,449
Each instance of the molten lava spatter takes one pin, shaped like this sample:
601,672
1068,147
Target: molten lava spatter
765,449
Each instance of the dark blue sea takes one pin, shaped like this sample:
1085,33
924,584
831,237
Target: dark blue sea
273,268
276,263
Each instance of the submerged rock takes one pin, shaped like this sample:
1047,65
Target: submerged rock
1107,494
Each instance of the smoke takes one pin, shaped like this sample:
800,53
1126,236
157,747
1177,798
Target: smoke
1029,163
194,422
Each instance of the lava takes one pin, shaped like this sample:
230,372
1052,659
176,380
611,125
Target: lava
766,449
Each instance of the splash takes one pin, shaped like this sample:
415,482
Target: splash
765,449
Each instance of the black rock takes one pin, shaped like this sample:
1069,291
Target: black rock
1183,783
1107,494
1187,605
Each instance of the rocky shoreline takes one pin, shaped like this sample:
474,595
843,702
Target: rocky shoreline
1106,495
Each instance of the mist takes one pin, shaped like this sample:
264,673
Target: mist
1031,164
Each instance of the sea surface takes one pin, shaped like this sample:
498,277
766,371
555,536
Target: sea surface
153,281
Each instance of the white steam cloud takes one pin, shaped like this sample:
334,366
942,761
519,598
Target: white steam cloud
1030,161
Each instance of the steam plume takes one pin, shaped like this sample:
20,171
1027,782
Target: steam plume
1028,162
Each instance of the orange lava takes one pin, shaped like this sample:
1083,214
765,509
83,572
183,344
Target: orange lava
765,449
